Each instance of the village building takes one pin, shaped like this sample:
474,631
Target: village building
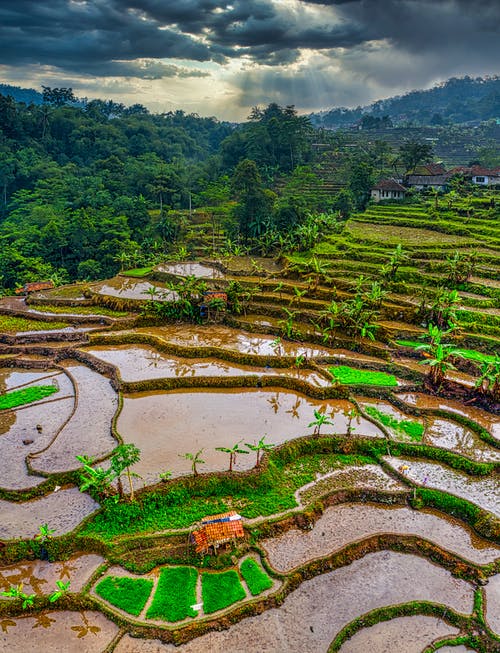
388,189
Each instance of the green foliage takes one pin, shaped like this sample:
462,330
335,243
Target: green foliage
10,324
128,594
16,592
26,396
414,430
62,588
220,590
175,594
255,577
353,376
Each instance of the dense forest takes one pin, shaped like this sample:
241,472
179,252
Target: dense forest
86,188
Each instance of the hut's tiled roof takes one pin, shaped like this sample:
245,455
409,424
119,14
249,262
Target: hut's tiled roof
389,184
218,529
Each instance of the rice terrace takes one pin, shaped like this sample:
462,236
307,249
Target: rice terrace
239,452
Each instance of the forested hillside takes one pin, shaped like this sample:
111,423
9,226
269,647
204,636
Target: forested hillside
457,100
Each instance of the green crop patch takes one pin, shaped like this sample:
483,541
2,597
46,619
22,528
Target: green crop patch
9,324
26,396
175,594
128,594
255,577
412,429
220,590
137,272
352,376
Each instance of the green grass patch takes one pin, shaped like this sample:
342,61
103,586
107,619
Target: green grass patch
255,577
414,430
128,594
180,506
78,310
26,396
137,272
175,594
10,324
220,590
352,376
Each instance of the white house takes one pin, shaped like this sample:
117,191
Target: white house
388,189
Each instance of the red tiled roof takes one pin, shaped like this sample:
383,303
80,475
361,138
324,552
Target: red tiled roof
389,184
218,529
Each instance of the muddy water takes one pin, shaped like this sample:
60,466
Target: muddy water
58,632
40,576
318,609
137,363
164,425
295,547
404,635
62,510
484,492
234,339
133,289
367,476
439,432
492,592
13,378
486,420
89,430
191,268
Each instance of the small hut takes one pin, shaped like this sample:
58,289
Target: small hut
216,530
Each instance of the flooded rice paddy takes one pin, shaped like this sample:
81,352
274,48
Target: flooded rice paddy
326,604
403,634
492,593
484,492
127,288
138,363
440,432
191,268
236,340
40,576
58,632
486,420
64,510
179,422
89,429
294,548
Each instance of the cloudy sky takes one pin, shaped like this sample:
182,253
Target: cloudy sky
218,57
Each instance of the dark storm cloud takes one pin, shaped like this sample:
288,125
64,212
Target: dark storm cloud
382,44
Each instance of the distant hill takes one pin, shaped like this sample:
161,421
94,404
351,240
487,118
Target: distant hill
26,95
458,100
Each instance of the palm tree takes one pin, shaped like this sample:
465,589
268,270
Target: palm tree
124,456
260,449
195,459
320,419
232,451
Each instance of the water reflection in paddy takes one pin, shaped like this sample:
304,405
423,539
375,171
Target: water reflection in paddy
133,289
191,268
486,420
237,340
137,363
440,432
164,425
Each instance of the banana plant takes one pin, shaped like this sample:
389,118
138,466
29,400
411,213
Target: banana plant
320,419
232,451
260,449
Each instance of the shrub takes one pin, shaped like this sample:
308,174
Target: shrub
175,594
128,594
255,577
220,590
